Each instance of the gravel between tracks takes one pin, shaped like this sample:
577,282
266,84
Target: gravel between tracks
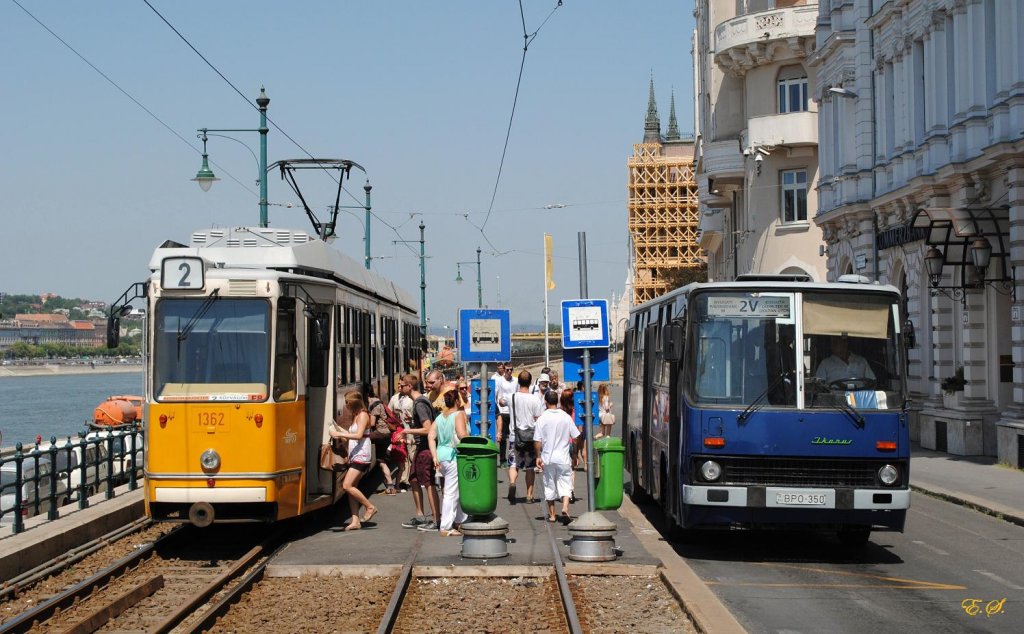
518,604
608,605
310,604
84,569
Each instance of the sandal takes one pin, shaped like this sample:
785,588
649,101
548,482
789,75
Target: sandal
370,512
353,527
390,490
451,533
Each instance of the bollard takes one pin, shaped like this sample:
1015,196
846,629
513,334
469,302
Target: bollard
593,538
485,538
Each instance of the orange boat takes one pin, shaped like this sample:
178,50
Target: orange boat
118,410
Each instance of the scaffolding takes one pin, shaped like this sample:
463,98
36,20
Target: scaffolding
662,217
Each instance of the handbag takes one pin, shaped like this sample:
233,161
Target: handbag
334,455
524,439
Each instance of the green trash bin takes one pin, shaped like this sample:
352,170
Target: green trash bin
608,488
477,463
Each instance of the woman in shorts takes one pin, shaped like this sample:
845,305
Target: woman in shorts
358,458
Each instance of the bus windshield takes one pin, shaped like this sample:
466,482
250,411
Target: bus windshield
743,349
743,345
211,349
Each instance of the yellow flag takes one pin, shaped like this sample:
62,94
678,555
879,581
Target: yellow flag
549,269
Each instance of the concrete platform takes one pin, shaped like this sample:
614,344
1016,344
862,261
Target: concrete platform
383,544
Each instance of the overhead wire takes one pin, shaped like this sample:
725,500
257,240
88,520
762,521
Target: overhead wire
527,39
269,120
129,95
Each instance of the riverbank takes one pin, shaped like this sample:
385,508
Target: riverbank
54,369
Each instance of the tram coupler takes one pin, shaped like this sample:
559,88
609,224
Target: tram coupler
201,514
593,538
485,537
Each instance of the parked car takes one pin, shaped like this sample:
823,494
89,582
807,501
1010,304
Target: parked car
126,449
31,489
68,465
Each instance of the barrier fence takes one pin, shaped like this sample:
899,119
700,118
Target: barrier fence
53,474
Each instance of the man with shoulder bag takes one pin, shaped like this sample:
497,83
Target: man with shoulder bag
524,409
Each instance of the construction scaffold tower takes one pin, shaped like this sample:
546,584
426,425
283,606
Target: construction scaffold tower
662,217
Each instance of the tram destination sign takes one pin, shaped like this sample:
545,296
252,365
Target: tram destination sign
749,306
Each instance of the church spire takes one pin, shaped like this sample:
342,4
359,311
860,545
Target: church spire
652,126
673,126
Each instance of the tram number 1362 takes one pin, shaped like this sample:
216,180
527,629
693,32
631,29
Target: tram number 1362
211,422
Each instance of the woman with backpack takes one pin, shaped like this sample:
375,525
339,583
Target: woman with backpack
382,426
448,428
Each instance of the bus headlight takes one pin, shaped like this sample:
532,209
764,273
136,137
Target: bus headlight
711,470
888,475
210,460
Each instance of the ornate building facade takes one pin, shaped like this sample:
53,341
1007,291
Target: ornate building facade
757,137
922,187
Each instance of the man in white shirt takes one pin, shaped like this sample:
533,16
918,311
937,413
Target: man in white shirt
401,404
554,435
504,387
524,408
843,364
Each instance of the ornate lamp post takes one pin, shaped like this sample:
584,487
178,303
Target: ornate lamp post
479,287
205,177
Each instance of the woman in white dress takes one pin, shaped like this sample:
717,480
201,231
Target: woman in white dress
358,458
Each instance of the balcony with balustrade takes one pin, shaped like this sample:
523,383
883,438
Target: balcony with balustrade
760,38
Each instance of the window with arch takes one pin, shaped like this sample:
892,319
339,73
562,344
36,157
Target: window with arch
792,83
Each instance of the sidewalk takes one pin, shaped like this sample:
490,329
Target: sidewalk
974,481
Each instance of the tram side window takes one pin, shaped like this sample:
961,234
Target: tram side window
318,358
285,380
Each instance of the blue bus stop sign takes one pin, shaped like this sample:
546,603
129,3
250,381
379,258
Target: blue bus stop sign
485,335
584,323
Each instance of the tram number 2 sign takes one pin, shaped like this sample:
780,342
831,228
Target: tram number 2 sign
183,273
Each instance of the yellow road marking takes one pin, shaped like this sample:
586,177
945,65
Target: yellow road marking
887,582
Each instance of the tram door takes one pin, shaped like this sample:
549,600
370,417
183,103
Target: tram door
320,401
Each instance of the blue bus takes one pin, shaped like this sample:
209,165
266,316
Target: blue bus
770,402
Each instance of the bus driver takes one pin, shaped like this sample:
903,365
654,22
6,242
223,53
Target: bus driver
843,364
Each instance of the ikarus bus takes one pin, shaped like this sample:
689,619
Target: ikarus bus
770,402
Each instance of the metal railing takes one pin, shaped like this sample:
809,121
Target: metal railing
52,474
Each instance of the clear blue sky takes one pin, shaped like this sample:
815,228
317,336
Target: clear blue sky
419,93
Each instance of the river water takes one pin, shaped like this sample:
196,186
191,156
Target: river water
58,405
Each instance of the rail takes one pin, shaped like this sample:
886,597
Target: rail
52,474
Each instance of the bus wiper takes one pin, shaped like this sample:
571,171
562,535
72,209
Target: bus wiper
199,314
756,403
839,403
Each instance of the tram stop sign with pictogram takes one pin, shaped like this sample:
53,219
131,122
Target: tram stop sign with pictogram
584,323
485,335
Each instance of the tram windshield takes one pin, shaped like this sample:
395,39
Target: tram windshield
744,350
211,349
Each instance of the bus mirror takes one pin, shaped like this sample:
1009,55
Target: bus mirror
672,342
113,331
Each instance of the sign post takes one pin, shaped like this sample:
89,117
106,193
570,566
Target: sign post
484,335
585,326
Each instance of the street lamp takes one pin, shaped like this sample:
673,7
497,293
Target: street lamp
205,176
479,288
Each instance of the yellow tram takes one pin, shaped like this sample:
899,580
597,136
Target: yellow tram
253,337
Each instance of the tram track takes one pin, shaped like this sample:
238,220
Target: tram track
151,589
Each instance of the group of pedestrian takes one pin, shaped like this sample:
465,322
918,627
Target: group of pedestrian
422,424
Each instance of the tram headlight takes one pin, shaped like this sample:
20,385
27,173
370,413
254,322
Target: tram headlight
711,470
889,475
210,460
